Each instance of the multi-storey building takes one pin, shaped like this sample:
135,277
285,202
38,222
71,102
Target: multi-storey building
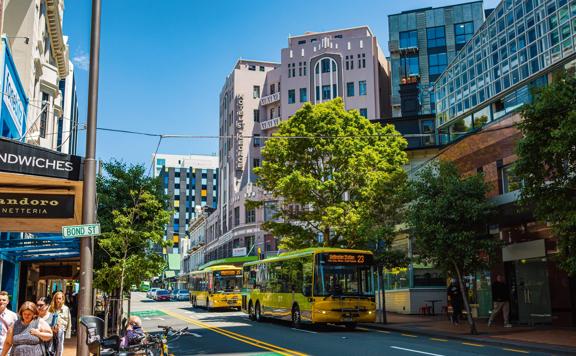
478,97
67,124
257,96
422,42
34,31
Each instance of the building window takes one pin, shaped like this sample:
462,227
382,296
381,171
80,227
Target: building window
509,180
250,216
303,95
44,114
462,33
408,39
237,216
325,92
261,68
272,88
251,67
436,64
326,66
257,140
271,113
301,42
256,91
256,115
362,60
291,96
256,162
409,67
362,88
436,37
350,89
364,112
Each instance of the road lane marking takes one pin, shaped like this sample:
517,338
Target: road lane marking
195,335
416,351
436,339
304,331
239,337
408,335
515,350
378,331
471,344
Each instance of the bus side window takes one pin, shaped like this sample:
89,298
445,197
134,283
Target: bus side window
307,271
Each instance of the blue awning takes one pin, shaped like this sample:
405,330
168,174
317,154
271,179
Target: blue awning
41,247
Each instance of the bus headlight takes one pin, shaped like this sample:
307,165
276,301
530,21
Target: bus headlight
370,312
323,311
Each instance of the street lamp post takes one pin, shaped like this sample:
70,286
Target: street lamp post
89,202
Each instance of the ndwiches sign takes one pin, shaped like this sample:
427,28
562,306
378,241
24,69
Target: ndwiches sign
36,206
17,157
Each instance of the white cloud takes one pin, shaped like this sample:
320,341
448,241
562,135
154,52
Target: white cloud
81,60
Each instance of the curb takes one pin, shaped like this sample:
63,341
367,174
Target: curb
486,340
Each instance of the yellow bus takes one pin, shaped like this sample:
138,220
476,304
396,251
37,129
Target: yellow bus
314,285
216,287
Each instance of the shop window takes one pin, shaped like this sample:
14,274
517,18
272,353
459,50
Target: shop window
509,182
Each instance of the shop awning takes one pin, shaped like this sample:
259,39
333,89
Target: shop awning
41,247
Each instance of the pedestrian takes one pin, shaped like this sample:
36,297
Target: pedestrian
501,301
28,334
455,298
63,327
7,317
134,332
43,304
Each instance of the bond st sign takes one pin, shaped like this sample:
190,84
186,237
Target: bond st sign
40,189
238,132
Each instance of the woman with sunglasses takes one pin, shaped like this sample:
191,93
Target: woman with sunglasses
43,305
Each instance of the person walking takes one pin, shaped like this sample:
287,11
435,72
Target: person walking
43,305
455,298
28,334
501,301
7,317
63,327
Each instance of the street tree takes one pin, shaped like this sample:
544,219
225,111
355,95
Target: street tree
132,225
325,165
546,163
447,218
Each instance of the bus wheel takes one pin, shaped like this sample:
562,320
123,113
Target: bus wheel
251,312
350,326
296,317
258,312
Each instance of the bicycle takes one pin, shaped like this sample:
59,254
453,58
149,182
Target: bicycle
157,345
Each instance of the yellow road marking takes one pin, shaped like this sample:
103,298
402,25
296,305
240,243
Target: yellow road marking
471,344
515,350
378,331
436,339
239,337
408,335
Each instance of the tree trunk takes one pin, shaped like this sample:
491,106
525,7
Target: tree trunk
382,296
106,315
471,322
327,242
121,298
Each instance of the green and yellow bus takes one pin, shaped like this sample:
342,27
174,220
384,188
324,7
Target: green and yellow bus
216,287
314,285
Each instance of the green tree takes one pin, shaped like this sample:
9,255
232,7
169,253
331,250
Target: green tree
546,162
325,165
448,219
133,217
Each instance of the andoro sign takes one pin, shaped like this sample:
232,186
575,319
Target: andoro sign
17,157
36,206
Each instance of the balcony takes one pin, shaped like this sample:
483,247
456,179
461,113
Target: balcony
270,99
268,124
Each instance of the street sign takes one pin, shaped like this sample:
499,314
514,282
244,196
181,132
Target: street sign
81,230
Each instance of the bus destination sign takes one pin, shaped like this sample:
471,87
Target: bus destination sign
347,258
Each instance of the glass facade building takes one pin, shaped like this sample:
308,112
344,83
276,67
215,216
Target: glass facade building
520,42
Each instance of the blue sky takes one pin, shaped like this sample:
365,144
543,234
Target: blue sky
163,63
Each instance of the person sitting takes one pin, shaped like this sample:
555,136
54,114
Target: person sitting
134,332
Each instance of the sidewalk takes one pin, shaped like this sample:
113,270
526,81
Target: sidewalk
70,347
543,338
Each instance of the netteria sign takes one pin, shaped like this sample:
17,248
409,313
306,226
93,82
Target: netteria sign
36,206
17,157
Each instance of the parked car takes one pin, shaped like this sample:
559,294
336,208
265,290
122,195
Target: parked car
173,294
151,292
182,294
161,294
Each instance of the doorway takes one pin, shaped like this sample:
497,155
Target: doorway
530,292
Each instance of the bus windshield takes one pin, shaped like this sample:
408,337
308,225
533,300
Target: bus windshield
227,281
339,274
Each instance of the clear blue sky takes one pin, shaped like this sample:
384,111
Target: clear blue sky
163,63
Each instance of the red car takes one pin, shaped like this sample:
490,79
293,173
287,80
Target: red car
162,294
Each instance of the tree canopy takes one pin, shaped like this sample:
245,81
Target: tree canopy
326,166
448,219
546,162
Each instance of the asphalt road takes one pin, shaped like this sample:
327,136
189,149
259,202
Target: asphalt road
232,333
